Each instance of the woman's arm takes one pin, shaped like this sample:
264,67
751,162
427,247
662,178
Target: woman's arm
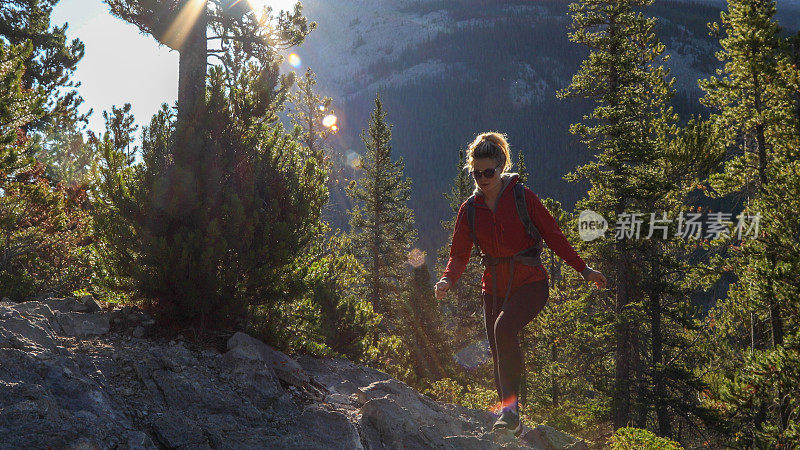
552,235
460,247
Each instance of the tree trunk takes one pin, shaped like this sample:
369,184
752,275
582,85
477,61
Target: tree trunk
523,382
641,401
191,87
623,355
556,391
659,386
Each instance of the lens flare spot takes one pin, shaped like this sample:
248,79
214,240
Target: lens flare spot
329,120
321,107
416,257
293,59
353,159
335,129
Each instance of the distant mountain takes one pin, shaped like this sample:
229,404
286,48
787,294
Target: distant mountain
449,69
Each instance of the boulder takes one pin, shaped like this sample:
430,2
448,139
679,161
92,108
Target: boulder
91,304
68,304
139,440
27,328
333,430
244,346
548,438
174,430
82,325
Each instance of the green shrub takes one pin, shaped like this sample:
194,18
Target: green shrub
637,438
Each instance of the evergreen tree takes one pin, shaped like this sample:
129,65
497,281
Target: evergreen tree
184,25
307,110
43,228
421,325
566,351
210,248
752,107
522,169
755,105
382,231
112,198
51,62
335,320
225,200
629,131
381,223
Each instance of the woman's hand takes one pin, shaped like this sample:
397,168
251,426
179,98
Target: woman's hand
598,278
441,288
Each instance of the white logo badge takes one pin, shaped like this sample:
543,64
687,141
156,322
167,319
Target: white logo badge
591,225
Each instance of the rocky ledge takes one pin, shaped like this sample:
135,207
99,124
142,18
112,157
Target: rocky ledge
81,375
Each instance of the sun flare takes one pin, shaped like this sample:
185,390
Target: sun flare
277,5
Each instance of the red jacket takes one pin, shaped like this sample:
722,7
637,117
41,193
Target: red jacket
501,233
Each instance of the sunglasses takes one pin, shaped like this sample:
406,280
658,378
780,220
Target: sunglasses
488,173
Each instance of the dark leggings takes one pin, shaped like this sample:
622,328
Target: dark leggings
503,332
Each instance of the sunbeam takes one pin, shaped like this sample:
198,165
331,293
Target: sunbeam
178,31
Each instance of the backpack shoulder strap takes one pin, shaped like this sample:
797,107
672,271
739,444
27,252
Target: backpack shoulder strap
522,210
471,220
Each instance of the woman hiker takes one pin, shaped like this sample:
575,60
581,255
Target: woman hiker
511,249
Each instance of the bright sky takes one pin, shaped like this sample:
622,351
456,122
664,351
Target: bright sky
121,64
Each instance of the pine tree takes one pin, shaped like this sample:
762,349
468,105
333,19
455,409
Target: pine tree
335,319
225,200
566,352
521,168
183,25
752,107
111,195
755,105
421,326
382,232
308,110
211,250
629,132
381,223
43,228
51,62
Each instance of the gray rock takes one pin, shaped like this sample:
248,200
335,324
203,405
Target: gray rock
92,304
340,375
34,309
68,304
329,428
83,444
26,328
82,325
174,430
469,443
548,438
287,369
116,392
139,440
388,424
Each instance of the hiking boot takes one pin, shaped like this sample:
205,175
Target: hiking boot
509,419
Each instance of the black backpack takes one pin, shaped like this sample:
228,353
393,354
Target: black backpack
530,256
